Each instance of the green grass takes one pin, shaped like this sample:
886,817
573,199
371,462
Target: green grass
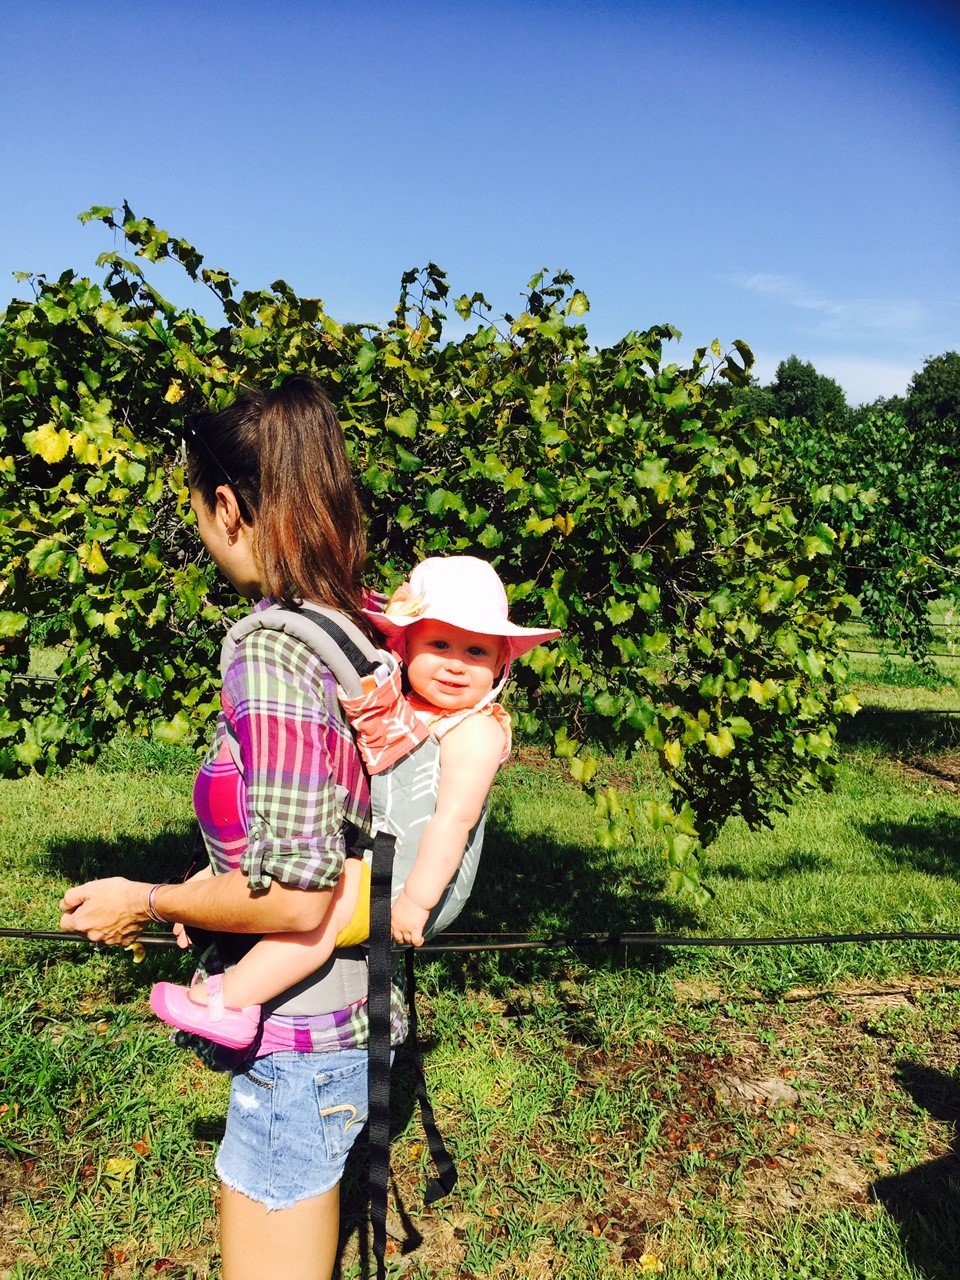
738,1114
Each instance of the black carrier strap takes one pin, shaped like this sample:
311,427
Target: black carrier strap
350,651
378,1009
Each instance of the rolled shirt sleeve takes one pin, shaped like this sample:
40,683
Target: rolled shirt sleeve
301,772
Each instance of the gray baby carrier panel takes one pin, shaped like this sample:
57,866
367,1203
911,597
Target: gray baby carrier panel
405,801
402,801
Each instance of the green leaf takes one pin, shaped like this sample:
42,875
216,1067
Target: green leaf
95,561
404,424
582,769
673,754
12,624
619,611
406,460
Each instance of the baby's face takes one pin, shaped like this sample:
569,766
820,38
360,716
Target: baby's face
452,669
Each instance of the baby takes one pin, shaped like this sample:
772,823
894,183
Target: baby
449,626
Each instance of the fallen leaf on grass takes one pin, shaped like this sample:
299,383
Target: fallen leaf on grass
119,1168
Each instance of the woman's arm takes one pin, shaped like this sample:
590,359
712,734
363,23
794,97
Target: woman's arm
115,910
469,757
295,846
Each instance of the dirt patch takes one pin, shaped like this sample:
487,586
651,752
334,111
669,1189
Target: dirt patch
696,991
941,771
14,1178
844,1099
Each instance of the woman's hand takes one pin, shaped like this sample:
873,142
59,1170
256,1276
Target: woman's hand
407,921
112,910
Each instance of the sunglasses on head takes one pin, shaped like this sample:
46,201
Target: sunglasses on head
192,438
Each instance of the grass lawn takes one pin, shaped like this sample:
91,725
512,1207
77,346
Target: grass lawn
745,1114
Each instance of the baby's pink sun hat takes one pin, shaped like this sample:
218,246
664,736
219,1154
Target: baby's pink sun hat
461,591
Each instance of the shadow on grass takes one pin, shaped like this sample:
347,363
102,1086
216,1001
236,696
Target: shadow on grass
355,1233
930,844
534,885
162,857
797,862
901,732
925,1202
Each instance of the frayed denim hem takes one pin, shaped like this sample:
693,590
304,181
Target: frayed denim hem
270,1203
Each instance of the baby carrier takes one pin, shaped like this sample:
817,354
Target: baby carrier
403,788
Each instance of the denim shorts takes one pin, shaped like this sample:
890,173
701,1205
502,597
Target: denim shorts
292,1120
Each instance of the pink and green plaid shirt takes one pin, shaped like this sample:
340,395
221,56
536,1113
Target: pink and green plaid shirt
281,815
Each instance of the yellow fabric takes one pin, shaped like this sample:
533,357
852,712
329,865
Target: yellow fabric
358,928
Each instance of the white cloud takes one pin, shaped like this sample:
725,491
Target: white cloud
857,317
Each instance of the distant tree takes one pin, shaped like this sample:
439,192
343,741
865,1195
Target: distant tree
933,397
755,401
798,391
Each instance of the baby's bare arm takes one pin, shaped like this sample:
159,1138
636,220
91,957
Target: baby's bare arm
469,757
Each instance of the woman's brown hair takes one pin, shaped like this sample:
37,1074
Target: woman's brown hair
283,454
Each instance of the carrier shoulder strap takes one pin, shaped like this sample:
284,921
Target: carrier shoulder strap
337,642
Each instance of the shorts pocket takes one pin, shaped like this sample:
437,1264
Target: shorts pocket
262,1073
342,1105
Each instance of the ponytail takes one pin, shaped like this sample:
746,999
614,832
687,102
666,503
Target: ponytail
285,452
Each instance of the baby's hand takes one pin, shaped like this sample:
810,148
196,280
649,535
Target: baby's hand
183,938
407,922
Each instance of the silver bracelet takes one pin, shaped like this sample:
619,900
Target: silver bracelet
151,905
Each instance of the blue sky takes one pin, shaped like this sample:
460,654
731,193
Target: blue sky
788,175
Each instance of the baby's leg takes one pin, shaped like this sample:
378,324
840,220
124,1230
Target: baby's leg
276,963
281,960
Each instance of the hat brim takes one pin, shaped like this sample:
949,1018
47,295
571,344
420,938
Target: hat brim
520,640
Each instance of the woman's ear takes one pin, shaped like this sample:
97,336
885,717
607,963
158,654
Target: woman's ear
228,510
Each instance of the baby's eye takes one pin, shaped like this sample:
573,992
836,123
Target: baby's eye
477,651
439,644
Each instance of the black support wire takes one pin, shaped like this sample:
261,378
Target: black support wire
472,942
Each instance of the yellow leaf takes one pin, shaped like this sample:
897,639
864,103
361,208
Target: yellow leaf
119,1168
48,442
138,952
673,754
564,523
85,450
174,393
650,1263
95,560
720,743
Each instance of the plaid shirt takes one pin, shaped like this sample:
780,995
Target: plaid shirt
281,814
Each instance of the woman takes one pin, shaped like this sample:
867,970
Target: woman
277,510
